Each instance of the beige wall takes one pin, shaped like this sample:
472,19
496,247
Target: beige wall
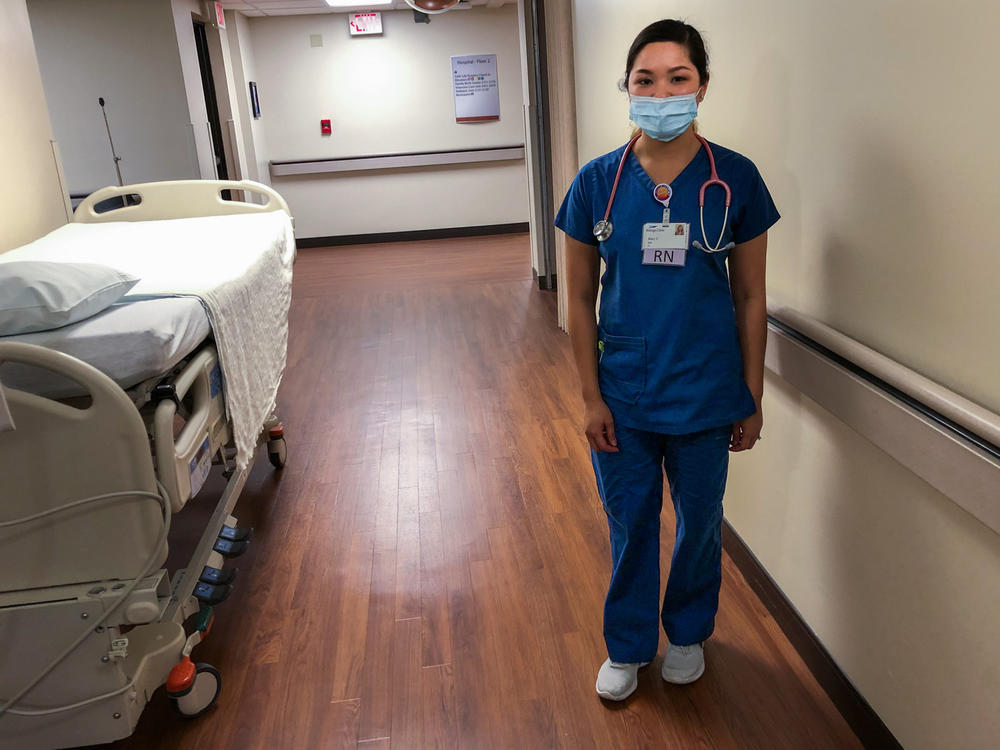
33,199
244,71
873,127
900,584
562,122
125,52
388,94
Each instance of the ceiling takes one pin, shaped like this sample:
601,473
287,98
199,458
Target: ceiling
306,7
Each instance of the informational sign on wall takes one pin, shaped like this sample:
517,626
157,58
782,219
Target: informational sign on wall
366,23
220,16
477,89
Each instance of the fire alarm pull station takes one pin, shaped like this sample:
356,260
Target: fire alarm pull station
324,127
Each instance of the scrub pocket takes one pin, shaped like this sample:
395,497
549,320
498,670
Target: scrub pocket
622,366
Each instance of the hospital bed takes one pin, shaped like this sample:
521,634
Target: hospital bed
110,425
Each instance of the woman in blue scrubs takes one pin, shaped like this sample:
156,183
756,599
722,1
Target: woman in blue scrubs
672,374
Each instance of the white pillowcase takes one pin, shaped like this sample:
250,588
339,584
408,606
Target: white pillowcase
39,296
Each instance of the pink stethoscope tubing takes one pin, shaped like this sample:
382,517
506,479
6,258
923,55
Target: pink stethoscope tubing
602,230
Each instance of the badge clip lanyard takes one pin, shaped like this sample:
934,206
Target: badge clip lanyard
604,228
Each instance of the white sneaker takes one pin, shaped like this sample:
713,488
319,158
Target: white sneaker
683,664
617,681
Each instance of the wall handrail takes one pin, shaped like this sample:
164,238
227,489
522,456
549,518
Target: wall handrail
292,167
942,438
975,418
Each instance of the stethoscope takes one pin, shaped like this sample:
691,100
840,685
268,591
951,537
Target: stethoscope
604,228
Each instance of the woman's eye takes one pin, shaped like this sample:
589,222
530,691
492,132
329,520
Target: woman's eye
643,81
678,79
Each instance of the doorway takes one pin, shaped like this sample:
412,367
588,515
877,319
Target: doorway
211,102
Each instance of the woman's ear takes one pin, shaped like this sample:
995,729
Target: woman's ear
702,91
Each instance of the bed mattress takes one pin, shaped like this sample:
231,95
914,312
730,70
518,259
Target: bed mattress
129,342
239,266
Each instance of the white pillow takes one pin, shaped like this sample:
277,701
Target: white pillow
39,296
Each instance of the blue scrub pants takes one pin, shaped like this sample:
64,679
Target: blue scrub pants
630,483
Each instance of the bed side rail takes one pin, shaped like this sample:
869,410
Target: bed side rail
58,454
183,461
176,199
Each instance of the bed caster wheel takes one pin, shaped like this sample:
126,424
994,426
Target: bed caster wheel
277,450
204,685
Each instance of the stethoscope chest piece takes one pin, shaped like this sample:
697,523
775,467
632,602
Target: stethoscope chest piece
602,230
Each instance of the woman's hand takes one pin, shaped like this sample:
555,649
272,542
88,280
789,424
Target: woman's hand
599,427
746,432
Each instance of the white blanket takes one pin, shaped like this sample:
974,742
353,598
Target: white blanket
239,266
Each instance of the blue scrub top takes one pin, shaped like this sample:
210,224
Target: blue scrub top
670,358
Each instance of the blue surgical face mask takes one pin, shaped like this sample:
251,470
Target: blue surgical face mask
663,117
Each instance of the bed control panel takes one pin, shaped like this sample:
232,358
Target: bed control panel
216,576
211,595
235,534
230,549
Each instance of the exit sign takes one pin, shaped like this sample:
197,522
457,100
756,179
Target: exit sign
366,23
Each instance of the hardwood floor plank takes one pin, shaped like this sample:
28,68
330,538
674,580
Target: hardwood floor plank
473,694
435,635
438,717
335,727
407,680
349,626
408,555
375,720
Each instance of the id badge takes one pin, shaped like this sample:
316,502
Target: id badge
665,244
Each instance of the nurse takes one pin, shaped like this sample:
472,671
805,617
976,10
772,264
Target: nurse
672,374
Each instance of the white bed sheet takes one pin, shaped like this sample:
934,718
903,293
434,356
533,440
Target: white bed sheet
239,266
129,342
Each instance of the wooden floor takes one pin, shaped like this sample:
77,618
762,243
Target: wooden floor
429,569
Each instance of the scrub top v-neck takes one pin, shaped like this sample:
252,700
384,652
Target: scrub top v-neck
669,354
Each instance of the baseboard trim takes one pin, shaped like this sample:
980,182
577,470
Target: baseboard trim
860,716
412,235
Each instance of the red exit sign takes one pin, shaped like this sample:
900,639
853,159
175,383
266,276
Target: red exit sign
366,23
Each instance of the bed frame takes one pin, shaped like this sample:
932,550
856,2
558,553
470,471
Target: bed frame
127,617
177,199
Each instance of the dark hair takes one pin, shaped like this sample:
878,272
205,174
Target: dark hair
670,30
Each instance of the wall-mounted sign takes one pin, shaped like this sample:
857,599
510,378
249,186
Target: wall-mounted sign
477,90
220,16
254,101
365,23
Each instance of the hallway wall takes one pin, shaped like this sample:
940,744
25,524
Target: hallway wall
127,53
388,94
244,70
32,194
871,126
